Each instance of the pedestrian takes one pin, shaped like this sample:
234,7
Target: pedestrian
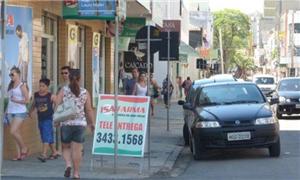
154,90
178,83
121,76
65,71
43,102
130,83
140,88
186,85
167,91
23,56
18,97
72,131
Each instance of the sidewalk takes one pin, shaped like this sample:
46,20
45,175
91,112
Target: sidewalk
165,147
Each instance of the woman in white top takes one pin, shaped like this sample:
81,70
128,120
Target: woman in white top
73,130
140,88
18,97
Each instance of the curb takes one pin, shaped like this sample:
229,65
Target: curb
170,162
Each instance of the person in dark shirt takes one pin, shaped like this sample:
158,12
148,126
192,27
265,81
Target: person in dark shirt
43,103
167,92
130,84
186,85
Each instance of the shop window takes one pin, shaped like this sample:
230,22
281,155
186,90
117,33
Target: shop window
297,51
297,27
48,25
49,49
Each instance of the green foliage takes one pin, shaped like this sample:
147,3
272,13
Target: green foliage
243,62
274,54
235,27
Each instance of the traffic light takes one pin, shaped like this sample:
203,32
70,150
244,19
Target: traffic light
201,63
216,67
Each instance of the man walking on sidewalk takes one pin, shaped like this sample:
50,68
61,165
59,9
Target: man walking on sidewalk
186,85
130,83
167,93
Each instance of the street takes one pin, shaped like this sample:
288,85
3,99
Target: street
246,163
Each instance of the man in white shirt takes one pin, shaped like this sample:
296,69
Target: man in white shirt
23,56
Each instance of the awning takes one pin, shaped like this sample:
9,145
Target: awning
186,52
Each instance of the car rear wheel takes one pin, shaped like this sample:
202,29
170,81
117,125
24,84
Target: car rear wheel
278,115
274,149
185,132
197,149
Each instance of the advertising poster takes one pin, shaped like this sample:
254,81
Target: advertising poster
132,125
18,44
96,67
72,46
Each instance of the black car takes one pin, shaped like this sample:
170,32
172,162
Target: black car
287,95
229,115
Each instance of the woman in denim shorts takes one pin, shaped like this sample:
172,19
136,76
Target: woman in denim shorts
72,131
18,97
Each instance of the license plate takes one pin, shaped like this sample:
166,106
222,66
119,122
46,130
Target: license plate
297,106
238,136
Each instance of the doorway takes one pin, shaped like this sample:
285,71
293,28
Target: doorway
49,50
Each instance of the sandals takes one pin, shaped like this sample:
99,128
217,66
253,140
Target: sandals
52,156
67,172
17,158
78,177
24,154
42,158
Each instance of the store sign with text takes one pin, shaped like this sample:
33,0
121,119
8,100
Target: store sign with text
89,9
136,59
132,25
132,125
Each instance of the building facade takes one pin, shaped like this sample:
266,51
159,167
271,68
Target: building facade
50,41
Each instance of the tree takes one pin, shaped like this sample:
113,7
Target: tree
243,63
235,27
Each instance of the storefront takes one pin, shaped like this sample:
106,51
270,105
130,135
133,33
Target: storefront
50,50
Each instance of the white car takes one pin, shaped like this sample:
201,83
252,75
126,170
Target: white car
267,83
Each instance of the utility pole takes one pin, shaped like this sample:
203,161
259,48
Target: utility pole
221,50
292,70
2,58
278,37
116,68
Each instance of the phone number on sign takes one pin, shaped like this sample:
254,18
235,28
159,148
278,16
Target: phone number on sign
125,138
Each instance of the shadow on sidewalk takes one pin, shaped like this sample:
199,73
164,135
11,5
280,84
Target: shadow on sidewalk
165,148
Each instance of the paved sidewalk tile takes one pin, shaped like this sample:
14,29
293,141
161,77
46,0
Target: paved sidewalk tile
165,147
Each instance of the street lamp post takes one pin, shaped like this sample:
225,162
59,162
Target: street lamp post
221,50
292,70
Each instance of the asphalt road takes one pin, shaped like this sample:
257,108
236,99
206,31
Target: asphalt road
244,164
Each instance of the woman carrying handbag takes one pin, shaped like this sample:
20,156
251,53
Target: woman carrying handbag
72,130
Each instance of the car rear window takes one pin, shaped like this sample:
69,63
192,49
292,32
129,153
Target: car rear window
229,94
289,85
264,80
